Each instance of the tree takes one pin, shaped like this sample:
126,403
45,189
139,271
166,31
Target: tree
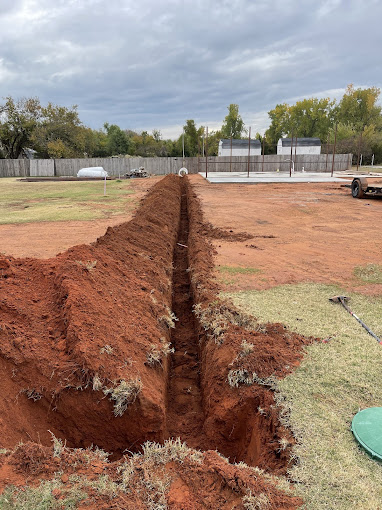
307,118
311,118
214,138
192,138
117,140
268,148
358,107
233,123
60,133
157,135
18,119
279,123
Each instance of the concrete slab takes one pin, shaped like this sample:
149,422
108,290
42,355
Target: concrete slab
269,177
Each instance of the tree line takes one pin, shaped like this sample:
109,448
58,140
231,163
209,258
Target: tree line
356,118
55,131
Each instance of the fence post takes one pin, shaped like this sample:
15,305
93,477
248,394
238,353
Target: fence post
249,149
359,150
334,149
207,153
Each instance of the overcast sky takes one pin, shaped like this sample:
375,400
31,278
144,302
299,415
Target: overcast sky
147,64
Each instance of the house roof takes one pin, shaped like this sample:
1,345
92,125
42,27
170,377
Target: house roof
239,144
301,142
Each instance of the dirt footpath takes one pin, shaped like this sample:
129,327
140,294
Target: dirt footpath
301,232
45,240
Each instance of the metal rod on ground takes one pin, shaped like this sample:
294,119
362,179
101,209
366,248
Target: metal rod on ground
262,163
104,187
207,153
249,149
342,300
230,161
359,150
327,154
334,148
291,155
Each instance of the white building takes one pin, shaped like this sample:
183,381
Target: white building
304,146
239,148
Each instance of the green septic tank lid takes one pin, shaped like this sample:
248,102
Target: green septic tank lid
367,429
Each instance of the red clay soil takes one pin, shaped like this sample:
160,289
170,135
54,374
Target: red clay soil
78,328
301,232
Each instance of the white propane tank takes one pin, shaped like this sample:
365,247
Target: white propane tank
92,171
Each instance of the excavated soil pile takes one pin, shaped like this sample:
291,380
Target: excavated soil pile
125,341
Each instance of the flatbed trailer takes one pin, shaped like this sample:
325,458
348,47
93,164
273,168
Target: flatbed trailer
370,185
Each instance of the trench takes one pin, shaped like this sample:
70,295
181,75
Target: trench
185,416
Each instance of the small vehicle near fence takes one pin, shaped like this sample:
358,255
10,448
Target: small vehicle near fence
370,185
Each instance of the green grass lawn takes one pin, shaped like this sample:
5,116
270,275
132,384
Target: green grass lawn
25,202
334,381
233,270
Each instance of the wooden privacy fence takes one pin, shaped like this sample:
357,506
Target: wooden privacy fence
162,166
14,167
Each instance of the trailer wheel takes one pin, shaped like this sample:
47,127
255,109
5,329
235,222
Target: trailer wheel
356,189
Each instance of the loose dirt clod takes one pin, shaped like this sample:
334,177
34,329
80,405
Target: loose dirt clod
86,356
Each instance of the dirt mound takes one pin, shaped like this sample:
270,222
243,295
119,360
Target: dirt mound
228,235
125,341
76,331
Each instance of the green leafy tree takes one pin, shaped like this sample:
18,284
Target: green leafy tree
307,118
350,141
214,138
192,138
280,123
311,118
268,148
359,108
60,133
233,123
18,120
117,140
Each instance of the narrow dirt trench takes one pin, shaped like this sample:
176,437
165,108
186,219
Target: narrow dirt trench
184,406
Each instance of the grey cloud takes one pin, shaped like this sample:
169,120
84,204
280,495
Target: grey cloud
155,64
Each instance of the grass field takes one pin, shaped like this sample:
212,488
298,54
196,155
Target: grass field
334,381
26,202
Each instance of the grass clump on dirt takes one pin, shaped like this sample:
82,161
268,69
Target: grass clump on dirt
42,497
218,316
334,381
259,502
157,353
123,394
371,273
28,202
